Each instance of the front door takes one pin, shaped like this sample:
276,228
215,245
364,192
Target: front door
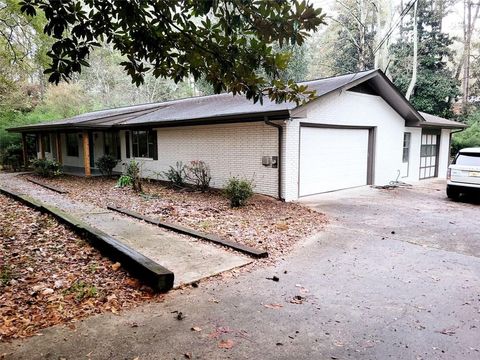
429,154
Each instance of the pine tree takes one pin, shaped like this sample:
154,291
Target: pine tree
436,86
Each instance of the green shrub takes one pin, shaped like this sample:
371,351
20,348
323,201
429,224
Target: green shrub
106,164
199,174
238,191
133,171
12,157
469,137
176,175
82,290
131,176
46,168
6,275
124,180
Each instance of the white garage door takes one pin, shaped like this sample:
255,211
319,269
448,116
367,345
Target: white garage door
332,159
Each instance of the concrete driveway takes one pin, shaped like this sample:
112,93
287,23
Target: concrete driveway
395,275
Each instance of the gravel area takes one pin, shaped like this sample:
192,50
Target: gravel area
50,276
263,223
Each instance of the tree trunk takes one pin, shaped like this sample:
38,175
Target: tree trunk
468,29
413,80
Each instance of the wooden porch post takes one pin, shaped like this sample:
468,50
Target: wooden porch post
24,148
86,154
58,144
41,144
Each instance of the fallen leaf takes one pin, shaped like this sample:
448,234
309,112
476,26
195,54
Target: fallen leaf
273,306
448,332
225,344
47,291
116,266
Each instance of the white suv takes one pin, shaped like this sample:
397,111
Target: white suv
464,173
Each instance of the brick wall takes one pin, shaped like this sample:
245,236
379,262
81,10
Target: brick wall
229,150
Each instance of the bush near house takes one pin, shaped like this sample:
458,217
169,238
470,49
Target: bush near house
238,191
46,168
469,137
198,173
124,181
12,156
131,176
176,175
106,164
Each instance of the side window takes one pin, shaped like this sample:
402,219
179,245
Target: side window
406,146
46,143
111,143
72,144
144,144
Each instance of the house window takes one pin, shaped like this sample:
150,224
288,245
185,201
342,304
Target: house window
144,144
111,142
72,144
46,143
406,146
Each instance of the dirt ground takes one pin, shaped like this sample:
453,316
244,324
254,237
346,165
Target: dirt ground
50,276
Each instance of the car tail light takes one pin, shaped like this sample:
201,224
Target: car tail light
449,174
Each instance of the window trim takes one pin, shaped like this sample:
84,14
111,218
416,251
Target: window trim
151,145
47,144
115,137
407,138
67,144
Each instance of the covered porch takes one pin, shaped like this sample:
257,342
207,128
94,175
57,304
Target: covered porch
76,151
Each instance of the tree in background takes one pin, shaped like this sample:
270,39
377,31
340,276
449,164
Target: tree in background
356,39
21,66
224,41
207,48
109,86
466,69
347,44
469,137
435,87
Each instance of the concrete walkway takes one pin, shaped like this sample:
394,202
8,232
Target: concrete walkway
188,258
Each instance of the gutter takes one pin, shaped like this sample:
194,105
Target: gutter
279,161
450,141
125,125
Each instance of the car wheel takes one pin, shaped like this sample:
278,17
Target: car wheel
452,193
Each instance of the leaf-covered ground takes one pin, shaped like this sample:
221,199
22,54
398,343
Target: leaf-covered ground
263,223
50,276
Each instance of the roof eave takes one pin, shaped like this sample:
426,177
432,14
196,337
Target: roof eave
443,126
244,117
53,127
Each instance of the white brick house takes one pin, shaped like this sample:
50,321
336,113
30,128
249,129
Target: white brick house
359,130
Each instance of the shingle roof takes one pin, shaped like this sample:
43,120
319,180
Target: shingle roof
224,106
433,120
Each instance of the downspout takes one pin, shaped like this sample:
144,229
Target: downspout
279,160
450,142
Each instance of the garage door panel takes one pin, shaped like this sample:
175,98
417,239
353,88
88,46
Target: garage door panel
332,159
